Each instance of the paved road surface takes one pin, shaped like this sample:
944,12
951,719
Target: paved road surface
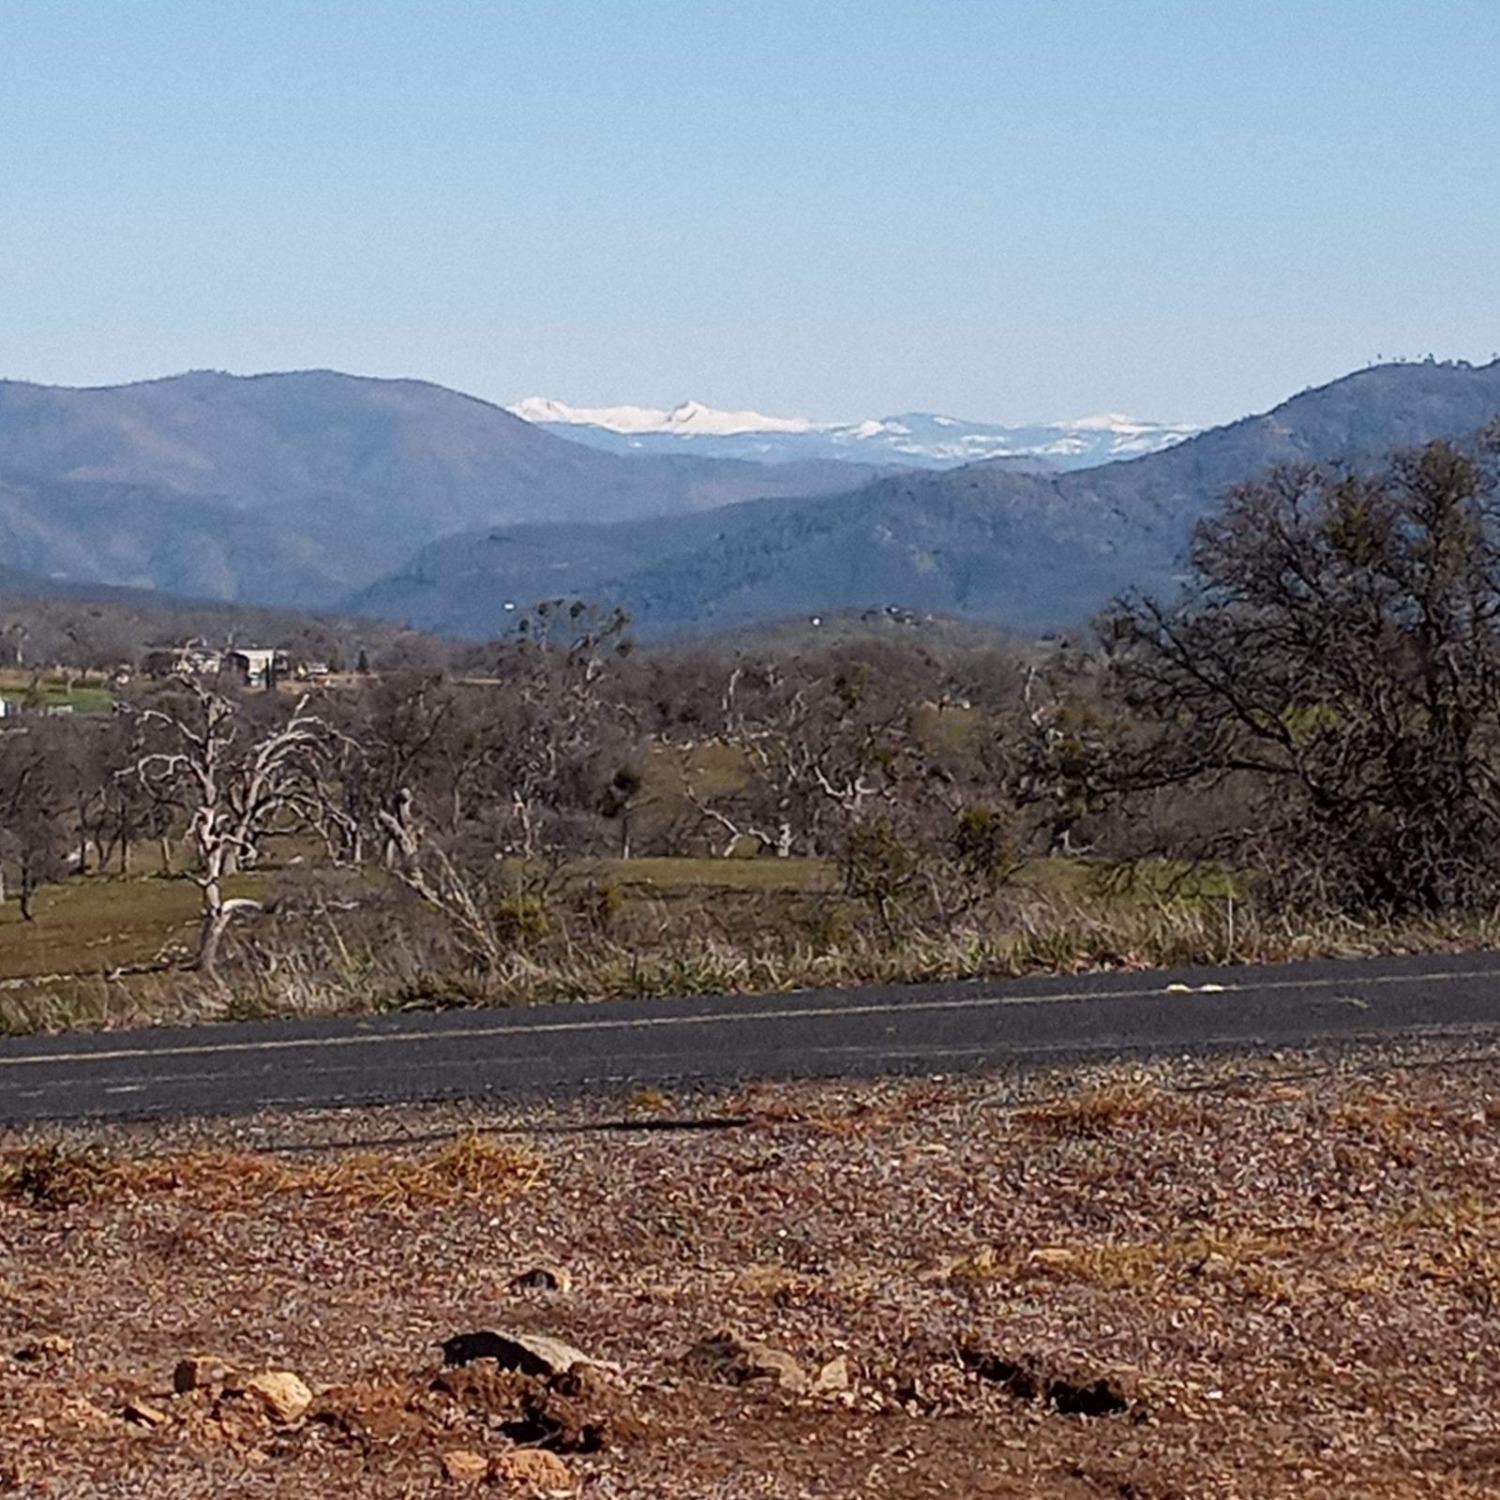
850,1033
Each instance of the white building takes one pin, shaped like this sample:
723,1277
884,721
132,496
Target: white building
258,667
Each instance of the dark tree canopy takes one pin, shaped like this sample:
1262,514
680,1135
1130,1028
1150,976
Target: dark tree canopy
1335,667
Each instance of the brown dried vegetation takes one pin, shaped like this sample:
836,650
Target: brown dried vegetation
1178,1281
57,1176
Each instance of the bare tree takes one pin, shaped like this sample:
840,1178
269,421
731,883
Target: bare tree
238,778
31,829
822,744
441,881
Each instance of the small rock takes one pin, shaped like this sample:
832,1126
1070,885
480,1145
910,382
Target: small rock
529,1353
1099,1396
198,1371
542,1279
143,1414
533,1471
1066,1389
48,1346
464,1466
731,1360
832,1377
282,1394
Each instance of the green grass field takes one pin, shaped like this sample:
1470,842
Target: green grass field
95,924
88,697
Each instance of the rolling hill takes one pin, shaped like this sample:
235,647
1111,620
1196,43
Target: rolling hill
298,488
1028,551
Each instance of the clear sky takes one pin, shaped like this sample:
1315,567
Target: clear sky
1001,210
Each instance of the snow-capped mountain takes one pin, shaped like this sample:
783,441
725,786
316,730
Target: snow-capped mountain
915,439
690,419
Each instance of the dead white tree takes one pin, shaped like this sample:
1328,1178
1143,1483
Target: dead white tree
434,877
804,756
239,781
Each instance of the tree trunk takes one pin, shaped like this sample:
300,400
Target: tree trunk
210,935
217,915
211,926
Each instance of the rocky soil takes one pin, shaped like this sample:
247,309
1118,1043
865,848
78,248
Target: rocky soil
1229,1279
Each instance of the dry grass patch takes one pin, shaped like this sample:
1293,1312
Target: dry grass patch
769,1106
1150,1265
632,928
1466,1213
1389,1116
1244,1261
1114,1107
1453,1240
648,1101
472,1166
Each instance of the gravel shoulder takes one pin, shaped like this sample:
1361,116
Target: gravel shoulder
1277,1276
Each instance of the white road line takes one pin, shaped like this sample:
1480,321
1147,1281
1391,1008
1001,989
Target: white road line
497,1063
339,1100
501,1064
725,1016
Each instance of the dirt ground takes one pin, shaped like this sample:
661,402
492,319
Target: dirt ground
1267,1278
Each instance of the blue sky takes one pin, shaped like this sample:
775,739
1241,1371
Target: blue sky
1001,210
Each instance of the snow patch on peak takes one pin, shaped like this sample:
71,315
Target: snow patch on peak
688,417
1114,421
694,416
923,439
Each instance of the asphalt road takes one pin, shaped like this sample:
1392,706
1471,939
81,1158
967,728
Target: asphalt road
868,1032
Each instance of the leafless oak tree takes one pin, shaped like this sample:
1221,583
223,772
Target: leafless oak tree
238,778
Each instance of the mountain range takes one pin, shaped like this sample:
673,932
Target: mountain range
921,440
404,500
1032,551
295,489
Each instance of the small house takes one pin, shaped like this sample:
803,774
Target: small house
257,668
192,659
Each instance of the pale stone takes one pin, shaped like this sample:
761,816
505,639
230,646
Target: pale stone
533,1471
282,1393
511,1349
463,1466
